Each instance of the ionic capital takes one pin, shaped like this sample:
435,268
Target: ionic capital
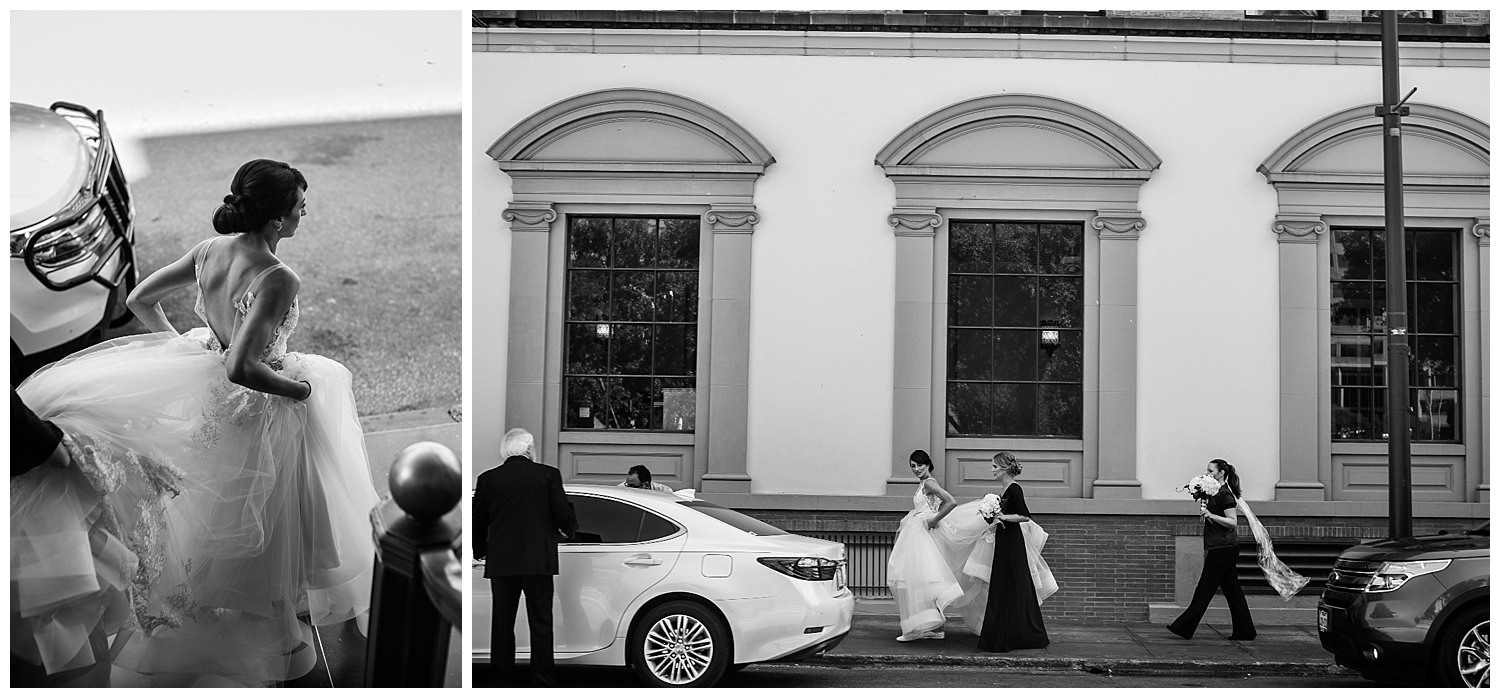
525,216
1298,228
915,222
1121,224
732,219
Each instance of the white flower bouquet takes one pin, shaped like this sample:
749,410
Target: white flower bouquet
1201,487
989,507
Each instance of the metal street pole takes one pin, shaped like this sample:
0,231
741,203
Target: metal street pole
1397,350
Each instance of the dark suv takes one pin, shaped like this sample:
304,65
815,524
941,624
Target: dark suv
1412,609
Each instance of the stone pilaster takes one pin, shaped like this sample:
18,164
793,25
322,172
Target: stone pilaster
1119,237
530,226
1302,437
1482,231
912,393
729,349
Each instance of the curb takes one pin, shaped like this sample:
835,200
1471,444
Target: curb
409,419
1122,667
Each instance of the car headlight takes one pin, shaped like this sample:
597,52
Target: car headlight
1394,574
813,569
71,242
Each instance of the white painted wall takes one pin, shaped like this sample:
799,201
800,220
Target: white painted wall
822,319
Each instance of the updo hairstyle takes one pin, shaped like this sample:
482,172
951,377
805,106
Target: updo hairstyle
1006,462
920,457
261,190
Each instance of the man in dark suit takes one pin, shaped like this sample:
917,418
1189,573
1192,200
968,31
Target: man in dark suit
520,514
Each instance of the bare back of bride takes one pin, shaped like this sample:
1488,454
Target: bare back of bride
219,506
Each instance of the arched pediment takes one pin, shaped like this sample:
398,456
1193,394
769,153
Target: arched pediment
630,130
1438,145
1020,135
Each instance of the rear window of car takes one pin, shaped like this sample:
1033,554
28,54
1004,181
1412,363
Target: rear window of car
744,522
609,521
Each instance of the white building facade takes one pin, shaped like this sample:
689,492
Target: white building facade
770,263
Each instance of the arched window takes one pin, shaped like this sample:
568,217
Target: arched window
1330,221
631,226
1017,222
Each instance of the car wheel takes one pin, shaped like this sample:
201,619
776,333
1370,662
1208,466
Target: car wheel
680,644
1463,658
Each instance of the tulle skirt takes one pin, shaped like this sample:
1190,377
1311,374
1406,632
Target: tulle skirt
967,545
217,513
920,577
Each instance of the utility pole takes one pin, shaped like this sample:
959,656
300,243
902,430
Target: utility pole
1397,349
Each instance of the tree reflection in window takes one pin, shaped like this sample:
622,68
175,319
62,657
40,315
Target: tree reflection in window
1357,319
631,325
1011,286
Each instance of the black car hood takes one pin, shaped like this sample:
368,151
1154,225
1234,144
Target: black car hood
1447,545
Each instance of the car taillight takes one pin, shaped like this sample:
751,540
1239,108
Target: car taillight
1393,574
813,569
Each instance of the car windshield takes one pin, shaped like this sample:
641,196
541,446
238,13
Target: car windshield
746,523
1481,531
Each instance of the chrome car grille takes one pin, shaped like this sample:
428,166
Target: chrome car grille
1352,575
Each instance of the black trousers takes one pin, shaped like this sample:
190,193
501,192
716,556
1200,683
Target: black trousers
1218,573
507,592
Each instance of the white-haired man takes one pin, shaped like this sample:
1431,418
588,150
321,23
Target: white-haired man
520,514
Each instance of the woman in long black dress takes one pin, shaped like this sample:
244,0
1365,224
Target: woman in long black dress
1012,618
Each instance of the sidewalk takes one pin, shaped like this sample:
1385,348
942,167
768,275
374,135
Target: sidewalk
387,434
341,655
1138,648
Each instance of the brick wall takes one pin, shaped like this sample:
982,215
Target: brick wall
1108,567
1472,17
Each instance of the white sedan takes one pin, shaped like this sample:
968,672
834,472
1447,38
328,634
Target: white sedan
682,590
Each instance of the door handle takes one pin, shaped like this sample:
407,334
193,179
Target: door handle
643,561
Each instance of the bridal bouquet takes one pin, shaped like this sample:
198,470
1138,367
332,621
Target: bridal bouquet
1201,487
989,507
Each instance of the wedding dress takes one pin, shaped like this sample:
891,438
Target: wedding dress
204,525
919,576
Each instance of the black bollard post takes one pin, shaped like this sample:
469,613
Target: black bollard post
408,641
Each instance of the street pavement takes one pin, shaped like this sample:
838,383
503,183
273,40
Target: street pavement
1123,648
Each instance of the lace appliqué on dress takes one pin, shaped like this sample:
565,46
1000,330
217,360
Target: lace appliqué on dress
107,469
275,351
227,403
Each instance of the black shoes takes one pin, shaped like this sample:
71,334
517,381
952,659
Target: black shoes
1179,633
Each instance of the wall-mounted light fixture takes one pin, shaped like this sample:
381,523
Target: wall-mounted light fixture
1050,337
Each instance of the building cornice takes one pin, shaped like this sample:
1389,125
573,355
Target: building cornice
583,40
866,22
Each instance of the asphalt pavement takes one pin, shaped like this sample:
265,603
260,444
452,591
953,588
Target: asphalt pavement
1123,648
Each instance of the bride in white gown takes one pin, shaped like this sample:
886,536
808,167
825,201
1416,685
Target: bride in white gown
940,563
917,572
221,498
